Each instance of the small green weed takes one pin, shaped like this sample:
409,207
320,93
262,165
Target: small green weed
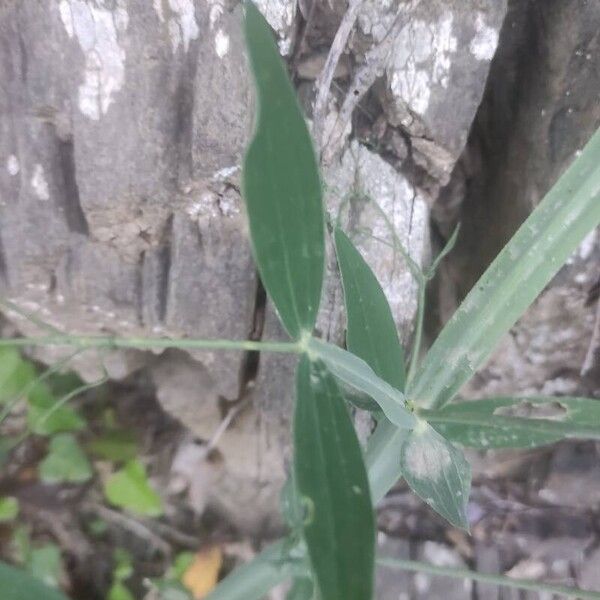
334,484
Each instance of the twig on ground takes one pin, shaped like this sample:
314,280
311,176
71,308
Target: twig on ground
175,536
373,67
224,425
323,83
132,525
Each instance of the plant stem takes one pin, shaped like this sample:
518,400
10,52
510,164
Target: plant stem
416,349
90,341
500,580
11,306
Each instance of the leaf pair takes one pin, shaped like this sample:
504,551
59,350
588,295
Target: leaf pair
282,190
434,468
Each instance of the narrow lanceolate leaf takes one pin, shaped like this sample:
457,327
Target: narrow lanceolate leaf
356,373
517,422
339,525
282,189
371,332
437,472
16,584
520,272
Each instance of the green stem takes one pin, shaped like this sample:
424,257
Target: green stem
500,580
66,398
413,267
416,350
90,341
29,316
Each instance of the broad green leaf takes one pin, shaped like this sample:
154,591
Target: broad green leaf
15,374
65,462
282,189
16,584
44,418
356,373
520,272
9,509
129,488
118,445
437,472
517,422
371,331
45,564
339,525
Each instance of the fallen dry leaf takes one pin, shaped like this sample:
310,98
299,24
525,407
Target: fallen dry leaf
202,575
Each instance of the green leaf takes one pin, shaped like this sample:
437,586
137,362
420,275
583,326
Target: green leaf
118,445
129,488
15,374
254,580
44,419
7,444
290,504
65,462
437,472
339,525
180,565
371,330
517,422
21,544
63,384
362,401
9,509
520,272
302,589
123,564
282,189
20,585
119,591
171,590
45,564
358,374
97,527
